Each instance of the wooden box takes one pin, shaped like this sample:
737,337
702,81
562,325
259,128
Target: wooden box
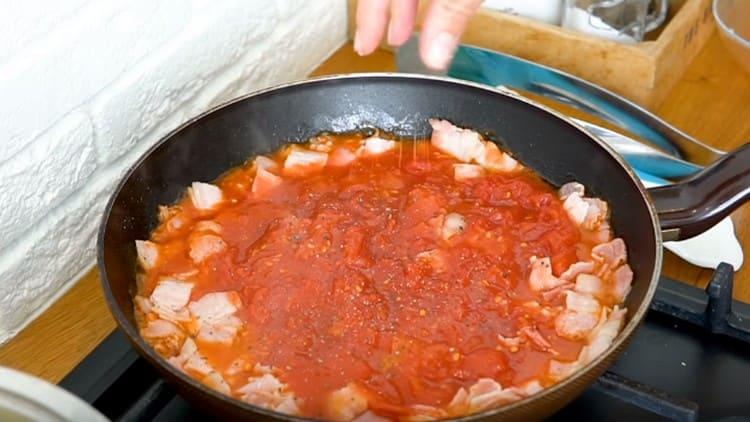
644,72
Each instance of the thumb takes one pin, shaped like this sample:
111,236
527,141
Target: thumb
443,25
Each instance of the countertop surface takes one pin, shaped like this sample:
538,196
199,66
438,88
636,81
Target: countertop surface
711,102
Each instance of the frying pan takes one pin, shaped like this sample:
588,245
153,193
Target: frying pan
554,146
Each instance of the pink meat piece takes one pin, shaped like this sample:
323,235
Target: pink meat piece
622,282
341,157
346,403
613,253
264,163
204,196
570,188
215,307
536,338
493,159
488,393
463,144
577,268
374,146
264,183
147,252
203,246
575,325
463,172
596,214
589,284
541,277
302,162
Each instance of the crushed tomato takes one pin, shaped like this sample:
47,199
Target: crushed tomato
344,276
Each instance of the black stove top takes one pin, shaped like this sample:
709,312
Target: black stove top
689,361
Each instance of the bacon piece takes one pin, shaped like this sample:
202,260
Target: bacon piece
552,294
264,163
576,208
613,253
269,392
369,416
577,268
148,253
510,343
487,393
596,213
201,247
341,157
462,144
346,403
198,365
215,307
142,304
460,402
583,303
541,277
528,389
575,325
208,226
536,338
493,159
222,331
301,162
423,413
374,145
288,405
204,196
603,336
454,224
463,172
264,183
321,143
216,381
188,349
602,234
622,280
588,284
164,336
569,189
557,370
171,294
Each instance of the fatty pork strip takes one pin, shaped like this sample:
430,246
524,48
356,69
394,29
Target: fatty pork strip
176,323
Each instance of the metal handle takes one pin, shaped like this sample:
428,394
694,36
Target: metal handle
654,20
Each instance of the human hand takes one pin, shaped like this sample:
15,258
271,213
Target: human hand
443,25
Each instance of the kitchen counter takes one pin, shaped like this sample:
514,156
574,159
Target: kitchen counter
711,102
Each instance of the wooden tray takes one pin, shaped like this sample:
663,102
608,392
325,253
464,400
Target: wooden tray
644,72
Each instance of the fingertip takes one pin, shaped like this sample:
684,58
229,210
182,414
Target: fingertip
437,51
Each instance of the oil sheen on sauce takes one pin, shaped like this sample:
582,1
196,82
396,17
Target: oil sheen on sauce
345,277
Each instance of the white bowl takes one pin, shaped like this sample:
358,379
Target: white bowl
733,19
27,398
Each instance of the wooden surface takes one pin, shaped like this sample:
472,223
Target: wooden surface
643,72
711,102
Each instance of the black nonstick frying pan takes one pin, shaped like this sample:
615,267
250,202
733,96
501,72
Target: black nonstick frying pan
209,145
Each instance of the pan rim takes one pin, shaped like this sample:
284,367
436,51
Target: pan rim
146,351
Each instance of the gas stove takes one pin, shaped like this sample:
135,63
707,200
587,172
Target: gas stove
689,361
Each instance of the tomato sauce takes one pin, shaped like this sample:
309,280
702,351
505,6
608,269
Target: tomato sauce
344,276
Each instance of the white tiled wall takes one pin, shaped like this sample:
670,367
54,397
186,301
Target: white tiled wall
87,85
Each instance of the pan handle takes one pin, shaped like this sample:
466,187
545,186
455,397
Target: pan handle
689,208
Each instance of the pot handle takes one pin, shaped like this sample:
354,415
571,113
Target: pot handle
691,207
